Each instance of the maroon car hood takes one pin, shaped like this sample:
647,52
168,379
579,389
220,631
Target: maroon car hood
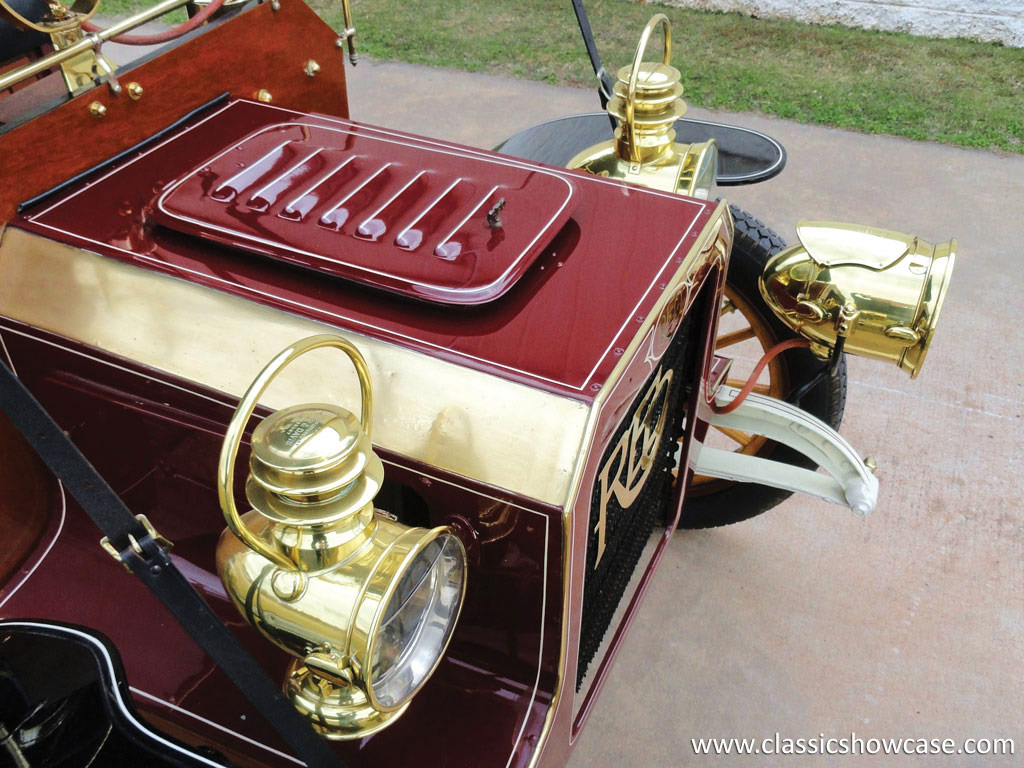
557,327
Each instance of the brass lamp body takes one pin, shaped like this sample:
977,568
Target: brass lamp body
646,104
313,566
881,290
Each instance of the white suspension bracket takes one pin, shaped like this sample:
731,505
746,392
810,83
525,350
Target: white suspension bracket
848,482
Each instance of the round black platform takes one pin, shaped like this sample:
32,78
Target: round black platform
744,156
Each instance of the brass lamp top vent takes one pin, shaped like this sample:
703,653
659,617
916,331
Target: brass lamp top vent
656,105
304,441
312,463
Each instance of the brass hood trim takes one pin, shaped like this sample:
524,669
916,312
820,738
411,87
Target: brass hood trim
220,341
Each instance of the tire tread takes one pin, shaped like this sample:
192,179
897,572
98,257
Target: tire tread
753,244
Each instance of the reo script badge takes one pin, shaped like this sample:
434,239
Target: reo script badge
630,463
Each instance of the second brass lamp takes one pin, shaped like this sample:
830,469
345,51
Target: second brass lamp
365,604
646,104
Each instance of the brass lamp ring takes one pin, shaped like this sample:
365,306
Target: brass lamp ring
634,74
244,411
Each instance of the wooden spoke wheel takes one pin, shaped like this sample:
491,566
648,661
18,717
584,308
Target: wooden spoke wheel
744,335
747,328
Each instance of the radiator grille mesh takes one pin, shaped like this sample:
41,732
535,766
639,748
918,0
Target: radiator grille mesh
627,530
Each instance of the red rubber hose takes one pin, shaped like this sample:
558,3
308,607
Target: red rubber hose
168,34
749,386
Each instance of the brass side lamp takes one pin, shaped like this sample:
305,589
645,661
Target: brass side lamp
365,604
646,104
882,291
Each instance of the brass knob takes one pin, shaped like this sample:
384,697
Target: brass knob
264,96
97,109
312,68
902,334
135,91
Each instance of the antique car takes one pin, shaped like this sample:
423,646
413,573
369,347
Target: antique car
530,349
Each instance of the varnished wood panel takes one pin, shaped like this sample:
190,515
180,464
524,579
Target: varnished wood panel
24,499
258,49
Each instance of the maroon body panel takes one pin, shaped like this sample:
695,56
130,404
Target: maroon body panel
548,331
499,672
560,320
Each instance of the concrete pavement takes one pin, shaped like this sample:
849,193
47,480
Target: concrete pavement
807,621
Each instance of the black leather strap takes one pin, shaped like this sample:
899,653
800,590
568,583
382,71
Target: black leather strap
146,559
604,88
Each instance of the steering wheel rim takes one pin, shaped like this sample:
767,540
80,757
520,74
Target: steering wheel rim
79,13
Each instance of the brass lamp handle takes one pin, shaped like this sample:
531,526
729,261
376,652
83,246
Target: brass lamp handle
658,18
233,438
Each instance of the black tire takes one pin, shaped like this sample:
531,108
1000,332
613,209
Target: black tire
722,502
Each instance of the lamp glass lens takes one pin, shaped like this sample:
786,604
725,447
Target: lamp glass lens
418,621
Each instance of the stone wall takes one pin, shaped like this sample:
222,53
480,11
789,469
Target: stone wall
988,20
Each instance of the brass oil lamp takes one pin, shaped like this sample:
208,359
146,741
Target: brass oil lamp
881,291
365,604
646,103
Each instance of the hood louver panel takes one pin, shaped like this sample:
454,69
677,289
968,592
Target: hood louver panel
456,228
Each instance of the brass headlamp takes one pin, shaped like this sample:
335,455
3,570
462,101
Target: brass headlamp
880,290
646,104
365,604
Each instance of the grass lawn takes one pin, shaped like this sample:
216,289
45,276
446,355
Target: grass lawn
954,91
